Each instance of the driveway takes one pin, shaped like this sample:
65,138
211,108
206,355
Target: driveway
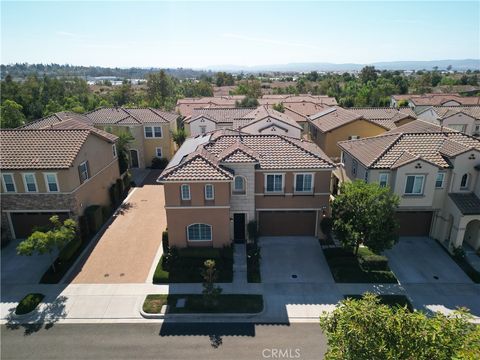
126,251
422,260
295,259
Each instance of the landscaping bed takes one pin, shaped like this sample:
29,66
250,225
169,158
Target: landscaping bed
390,300
462,262
253,263
28,303
367,267
233,304
185,265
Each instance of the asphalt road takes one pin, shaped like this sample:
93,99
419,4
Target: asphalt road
164,341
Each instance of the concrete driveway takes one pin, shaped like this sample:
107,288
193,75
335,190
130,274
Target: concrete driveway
285,257
127,250
422,260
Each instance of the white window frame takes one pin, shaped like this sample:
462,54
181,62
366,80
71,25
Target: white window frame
188,232
24,175
380,179
415,177
145,132
152,129
45,176
274,191
244,189
5,184
114,151
213,192
86,170
466,182
353,137
443,180
189,192
156,152
311,184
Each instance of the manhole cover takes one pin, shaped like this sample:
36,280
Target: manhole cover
294,276
435,277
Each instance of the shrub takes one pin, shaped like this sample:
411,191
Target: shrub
458,253
210,253
83,227
28,303
373,262
326,226
114,198
159,163
69,250
169,258
165,242
252,230
94,217
119,189
106,212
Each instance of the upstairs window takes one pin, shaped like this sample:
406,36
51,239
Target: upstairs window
383,179
239,185
439,180
303,182
83,172
30,183
9,183
51,182
209,192
199,232
464,182
203,129
274,183
414,185
153,131
185,192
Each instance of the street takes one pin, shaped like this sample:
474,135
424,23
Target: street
164,341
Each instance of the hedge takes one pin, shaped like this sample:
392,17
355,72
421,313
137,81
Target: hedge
94,217
69,250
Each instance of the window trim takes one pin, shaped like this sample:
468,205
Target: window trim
24,176
282,191
45,175
465,187
354,167
156,152
386,180
213,192
304,191
412,193
152,129
189,192
203,129
443,173
244,190
4,184
88,172
188,232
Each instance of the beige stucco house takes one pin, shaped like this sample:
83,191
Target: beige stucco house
436,173
219,182
421,102
61,170
462,118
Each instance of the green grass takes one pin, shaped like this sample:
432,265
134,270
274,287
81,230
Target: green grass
28,303
390,300
345,268
194,304
253,264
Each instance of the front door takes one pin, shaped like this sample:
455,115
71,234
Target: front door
239,228
134,158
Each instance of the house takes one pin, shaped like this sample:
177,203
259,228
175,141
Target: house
60,170
336,124
420,102
462,118
186,106
436,173
262,120
218,182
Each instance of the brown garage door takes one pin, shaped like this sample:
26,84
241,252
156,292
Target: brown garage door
414,223
287,223
24,223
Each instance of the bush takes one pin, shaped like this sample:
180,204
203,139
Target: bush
83,228
326,226
69,250
252,230
165,245
119,189
159,163
28,303
210,253
94,217
114,198
370,261
106,212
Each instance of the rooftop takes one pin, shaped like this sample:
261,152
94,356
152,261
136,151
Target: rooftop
123,116
468,204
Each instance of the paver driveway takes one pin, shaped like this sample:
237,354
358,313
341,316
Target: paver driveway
127,249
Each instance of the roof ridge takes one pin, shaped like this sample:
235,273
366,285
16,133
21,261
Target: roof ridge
287,139
399,136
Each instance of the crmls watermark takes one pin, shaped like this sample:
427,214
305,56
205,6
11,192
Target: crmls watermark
275,353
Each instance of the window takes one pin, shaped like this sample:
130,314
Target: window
303,182
209,192
383,179
477,129
274,183
439,180
199,232
83,172
414,184
9,183
30,182
158,152
185,190
458,127
203,129
153,131
353,137
239,185
114,150
148,132
354,167
464,182
51,182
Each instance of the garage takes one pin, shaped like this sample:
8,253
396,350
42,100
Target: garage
414,223
23,223
287,223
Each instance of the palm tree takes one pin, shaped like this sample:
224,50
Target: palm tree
179,136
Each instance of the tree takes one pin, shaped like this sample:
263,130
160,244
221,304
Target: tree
250,88
366,330
210,291
11,115
279,107
179,136
160,86
364,213
43,242
123,146
368,73
247,102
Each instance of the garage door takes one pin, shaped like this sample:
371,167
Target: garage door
24,223
414,223
287,223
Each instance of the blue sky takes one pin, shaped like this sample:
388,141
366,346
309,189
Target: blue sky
199,34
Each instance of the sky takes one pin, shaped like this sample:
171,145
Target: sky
202,34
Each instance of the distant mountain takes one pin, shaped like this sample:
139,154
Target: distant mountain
460,65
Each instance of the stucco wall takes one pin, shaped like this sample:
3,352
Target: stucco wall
165,142
281,128
193,128
197,194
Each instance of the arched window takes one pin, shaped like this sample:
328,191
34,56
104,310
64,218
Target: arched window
239,185
464,181
199,232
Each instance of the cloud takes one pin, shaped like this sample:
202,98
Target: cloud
268,41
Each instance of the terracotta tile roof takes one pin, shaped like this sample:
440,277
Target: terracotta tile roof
31,149
72,124
55,119
216,100
302,98
219,115
391,150
239,152
468,204
447,111
439,99
419,126
332,118
263,112
117,116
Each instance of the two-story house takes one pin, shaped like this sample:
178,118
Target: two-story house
420,102
434,171
218,182
462,118
59,171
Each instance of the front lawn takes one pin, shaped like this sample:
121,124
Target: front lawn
390,300
232,304
253,264
366,268
185,265
28,303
